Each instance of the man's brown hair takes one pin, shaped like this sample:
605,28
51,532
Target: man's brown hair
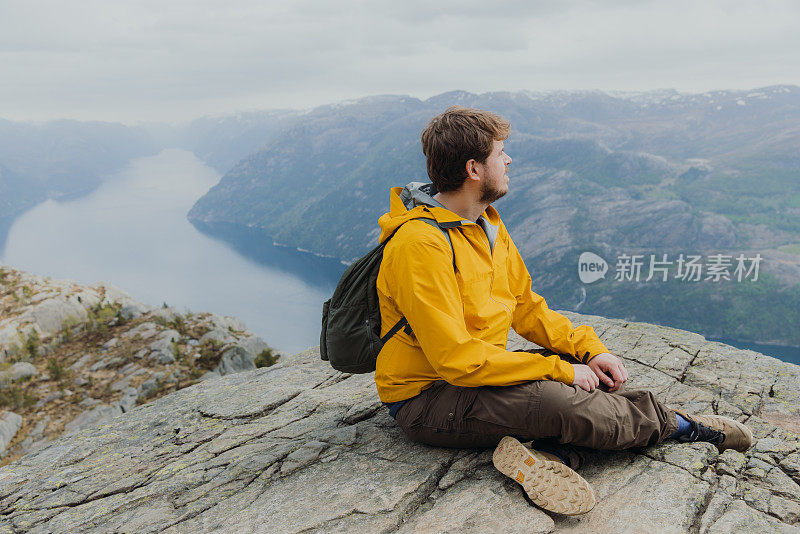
456,136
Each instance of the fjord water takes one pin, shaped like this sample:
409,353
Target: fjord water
133,232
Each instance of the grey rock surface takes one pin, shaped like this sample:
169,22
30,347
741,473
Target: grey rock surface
144,330
17,371
235,360
102,364
81,362
33,440
88,401
151,384
162,347
253,344
49,397
50,314
228,322
10,423
301,447
169,314
128,400
104,412
132,310
219,334
103,352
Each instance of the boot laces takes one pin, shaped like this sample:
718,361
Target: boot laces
708,434
701,432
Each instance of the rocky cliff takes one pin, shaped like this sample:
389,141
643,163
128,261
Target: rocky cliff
298,447
74,356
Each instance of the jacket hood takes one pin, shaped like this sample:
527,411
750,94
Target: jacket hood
419,194
416,200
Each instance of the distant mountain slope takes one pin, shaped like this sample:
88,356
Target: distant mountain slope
224,141
61,158
738,161
658,172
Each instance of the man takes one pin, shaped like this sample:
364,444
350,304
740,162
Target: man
448,379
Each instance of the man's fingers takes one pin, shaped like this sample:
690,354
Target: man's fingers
624,371
616,373
586,385
602,377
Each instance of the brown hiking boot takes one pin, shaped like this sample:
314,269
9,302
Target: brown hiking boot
723,432
549,483
571,455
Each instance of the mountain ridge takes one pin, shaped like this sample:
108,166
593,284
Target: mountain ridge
639,179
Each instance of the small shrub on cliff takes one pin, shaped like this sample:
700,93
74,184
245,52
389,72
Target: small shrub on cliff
210,354
13,352
266,358
177,352
66,328
196,372
199,330
55,369
14,398
178,323
104,314
32,344
102,329
100,316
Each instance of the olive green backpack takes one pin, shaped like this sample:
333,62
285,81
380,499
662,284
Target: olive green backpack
351,320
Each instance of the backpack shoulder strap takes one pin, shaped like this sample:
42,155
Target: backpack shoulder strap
444,227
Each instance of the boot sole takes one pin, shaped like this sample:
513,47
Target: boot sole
551,485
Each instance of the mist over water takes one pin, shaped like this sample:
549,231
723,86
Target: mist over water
133,233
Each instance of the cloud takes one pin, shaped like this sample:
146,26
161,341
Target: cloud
146,60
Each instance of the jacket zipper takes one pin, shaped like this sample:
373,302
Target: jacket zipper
491,281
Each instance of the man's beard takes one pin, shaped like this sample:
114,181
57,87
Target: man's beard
489,194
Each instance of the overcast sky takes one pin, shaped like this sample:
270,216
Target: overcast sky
173,60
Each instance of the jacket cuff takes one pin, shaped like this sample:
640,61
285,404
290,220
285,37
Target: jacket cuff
564,372
591,351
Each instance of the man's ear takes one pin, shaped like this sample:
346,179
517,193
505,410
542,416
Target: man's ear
472,171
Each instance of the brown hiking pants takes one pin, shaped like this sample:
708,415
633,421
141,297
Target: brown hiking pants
464,417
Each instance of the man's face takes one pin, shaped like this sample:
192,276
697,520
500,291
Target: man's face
494,174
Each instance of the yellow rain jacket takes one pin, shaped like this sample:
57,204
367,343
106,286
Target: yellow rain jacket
460,318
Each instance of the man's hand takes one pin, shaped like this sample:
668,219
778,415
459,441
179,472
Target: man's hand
585,378
609,369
